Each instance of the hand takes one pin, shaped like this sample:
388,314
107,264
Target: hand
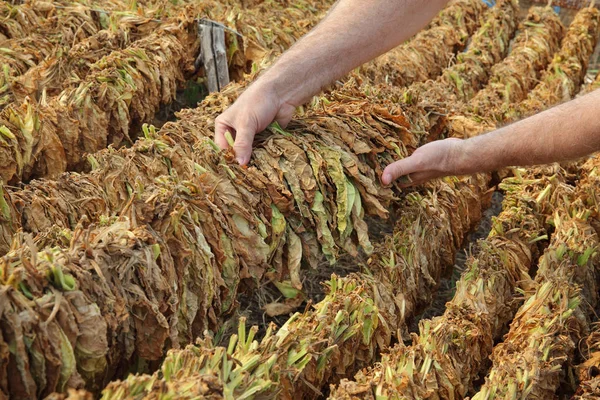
252,112
433,160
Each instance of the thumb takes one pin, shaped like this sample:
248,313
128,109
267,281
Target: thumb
220,129
397,169
243,145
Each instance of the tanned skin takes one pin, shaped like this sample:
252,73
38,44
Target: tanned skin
356,31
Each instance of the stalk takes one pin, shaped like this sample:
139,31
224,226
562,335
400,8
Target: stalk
458,83
539,38
431,50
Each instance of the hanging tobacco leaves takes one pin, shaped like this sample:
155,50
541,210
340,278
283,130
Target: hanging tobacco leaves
545,332
447,355
539,38
431,50
80,313
345,331
458,83
563,78
66,66
123,89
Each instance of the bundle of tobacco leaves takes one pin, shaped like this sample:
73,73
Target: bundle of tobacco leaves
539,38
19,55
545,332
447,355
80,313
409,367
223,224
123,90
66,23
427,54
558,82
264,31
563,78
19,21
384,131
65,67
357,318
458,83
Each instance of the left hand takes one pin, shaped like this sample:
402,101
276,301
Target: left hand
433,160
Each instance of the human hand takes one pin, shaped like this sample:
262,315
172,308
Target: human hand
433,160
252,112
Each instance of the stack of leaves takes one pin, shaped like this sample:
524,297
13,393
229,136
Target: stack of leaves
204,371
545,332
564,75
401,279
566,72
351,325
446,357
263,31
431,50
20,21
488,46
123,90
303,196
589,376
409,367
81,313
384,131
222,224
68,66
539,38
66,23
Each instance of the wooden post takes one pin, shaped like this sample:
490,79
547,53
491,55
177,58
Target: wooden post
213,54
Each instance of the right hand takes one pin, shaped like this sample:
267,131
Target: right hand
433,160
252,112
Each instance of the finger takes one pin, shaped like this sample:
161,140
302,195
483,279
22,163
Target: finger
220,129
397,169
243,145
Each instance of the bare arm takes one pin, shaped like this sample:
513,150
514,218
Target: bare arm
565,132
354,32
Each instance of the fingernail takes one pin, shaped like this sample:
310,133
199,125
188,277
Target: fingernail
241,160
386,178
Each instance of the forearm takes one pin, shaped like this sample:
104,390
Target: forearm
565,132
354,32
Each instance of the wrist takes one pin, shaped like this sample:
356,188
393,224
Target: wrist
468,158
